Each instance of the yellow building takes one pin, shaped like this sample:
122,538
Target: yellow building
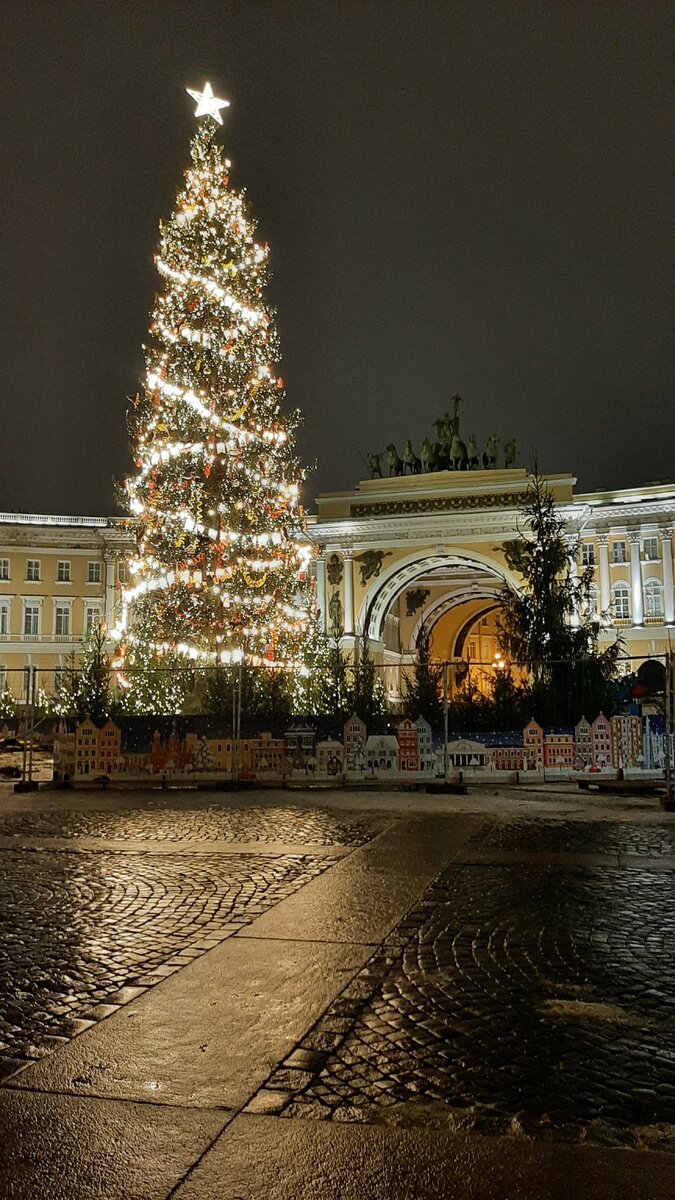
398,556
59,578
88,751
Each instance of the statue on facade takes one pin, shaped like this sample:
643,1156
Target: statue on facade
334,570
427,461
414,599
410,459
374,465
371,564
453,426
473,457
441,456
490,454
442,427
394,463
458,454
335,614
510,454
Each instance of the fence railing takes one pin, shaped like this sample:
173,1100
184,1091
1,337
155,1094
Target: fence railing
480,722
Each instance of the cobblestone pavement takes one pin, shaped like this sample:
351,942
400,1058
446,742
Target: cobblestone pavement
591,837
159,821
82,933
510,999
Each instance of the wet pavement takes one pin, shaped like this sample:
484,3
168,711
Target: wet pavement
536,1000
85,932
335,989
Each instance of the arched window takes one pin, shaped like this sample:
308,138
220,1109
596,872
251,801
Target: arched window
653,598
621,601
591,605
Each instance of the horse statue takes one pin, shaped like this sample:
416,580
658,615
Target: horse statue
394,463
427,457
473,458
510,454
410,459
490,454
374,465
458,454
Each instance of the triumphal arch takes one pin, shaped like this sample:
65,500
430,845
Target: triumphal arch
424,552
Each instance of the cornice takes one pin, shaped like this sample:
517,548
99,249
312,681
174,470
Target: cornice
428,529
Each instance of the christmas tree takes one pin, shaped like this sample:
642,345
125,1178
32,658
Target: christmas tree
218,576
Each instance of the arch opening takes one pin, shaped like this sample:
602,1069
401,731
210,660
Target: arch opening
451,599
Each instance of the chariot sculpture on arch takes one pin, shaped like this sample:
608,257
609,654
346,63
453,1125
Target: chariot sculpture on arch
448,452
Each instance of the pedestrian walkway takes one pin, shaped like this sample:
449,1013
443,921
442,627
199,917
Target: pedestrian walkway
416,1003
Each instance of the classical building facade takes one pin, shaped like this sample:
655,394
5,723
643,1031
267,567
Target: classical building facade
59,578
393,557
398,555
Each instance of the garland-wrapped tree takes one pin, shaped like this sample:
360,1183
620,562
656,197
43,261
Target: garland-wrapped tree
222,550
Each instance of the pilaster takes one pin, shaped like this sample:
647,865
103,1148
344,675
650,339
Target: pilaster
667,560
605,588
636,576
348,625
110,559
320,568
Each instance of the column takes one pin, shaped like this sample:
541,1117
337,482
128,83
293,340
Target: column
574,574
667,560
110,595
636,577
321,589
605,589
349,592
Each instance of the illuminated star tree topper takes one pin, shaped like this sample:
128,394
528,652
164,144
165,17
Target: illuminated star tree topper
208,105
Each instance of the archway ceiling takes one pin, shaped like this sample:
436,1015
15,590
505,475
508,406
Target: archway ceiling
440,570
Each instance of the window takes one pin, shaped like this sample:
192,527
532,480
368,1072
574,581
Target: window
591,604
93,572
63,572
621,602
587,554
62,620
33,570
92,618
122,573
3,680
4,568
31,620
651,549
4,617
653,598
619,552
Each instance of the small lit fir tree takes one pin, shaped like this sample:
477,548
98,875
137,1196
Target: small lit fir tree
7,705
424,687
84,684
219,573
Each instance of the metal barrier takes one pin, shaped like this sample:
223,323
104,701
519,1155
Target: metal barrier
480,719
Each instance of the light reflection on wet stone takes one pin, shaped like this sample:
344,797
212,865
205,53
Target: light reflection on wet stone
515,998
82,931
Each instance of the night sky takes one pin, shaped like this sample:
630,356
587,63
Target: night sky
471,197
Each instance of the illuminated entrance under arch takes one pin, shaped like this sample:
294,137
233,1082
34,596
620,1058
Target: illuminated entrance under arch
465,574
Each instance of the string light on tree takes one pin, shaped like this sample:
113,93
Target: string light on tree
220,571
